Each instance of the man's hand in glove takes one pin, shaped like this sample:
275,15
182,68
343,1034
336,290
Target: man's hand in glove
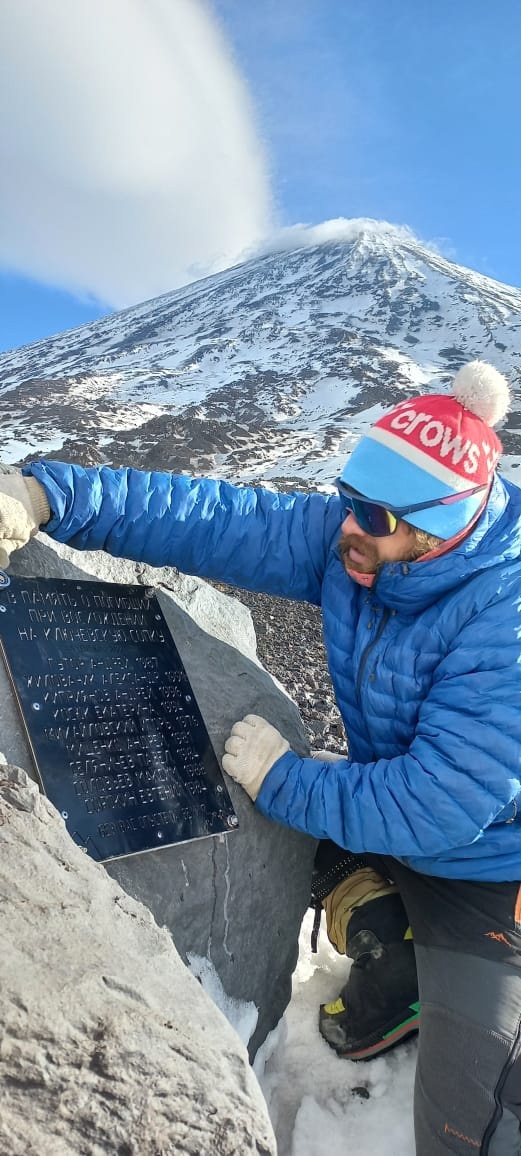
23,508
251,750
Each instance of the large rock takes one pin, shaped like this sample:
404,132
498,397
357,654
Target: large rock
234,902
109,1046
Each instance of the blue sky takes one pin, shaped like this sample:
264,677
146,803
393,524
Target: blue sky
401,111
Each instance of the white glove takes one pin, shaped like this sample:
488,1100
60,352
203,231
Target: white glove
23,509
251,750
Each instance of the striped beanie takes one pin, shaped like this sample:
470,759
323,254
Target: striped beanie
434,446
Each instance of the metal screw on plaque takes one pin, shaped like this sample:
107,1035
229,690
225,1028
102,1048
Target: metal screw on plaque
232,821
36,705
159,834
65,814
188,698
3,609
149,592
219,788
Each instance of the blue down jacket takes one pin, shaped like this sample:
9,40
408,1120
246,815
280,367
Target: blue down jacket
426,665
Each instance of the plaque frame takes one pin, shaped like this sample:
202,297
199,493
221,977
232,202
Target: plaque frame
117,738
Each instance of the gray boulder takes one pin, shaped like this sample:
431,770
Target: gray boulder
232,903
109,1046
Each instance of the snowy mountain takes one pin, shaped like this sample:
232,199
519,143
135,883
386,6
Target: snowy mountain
267,371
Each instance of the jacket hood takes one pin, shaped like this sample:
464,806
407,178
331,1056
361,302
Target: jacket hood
495,541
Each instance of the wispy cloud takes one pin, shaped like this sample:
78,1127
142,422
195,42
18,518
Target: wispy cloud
130,161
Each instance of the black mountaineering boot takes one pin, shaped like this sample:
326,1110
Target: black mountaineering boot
378,1007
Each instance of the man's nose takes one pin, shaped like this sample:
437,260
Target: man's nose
350,524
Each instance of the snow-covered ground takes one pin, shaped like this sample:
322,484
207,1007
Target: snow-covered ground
311,1094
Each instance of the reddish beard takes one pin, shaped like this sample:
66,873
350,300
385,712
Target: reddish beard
363,546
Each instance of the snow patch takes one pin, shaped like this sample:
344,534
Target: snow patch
312,1094
241,1014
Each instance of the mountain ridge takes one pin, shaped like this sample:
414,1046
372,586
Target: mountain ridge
266,372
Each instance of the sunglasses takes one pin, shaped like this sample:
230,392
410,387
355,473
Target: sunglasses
381,521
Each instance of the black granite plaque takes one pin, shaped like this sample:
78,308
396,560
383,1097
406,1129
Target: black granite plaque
117,737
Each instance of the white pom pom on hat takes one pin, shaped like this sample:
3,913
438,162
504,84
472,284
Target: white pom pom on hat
483,390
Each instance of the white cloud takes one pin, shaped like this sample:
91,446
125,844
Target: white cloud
130,162
338,229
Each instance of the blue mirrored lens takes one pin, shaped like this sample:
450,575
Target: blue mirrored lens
372,519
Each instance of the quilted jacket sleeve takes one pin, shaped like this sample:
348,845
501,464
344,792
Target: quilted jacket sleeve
460,775
252,538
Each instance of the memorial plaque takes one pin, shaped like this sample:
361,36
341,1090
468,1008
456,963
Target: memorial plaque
118,741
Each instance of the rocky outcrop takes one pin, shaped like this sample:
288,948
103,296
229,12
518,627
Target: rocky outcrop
233,903
109,1046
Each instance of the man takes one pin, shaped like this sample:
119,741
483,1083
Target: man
416,565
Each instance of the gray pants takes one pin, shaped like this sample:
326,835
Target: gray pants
467,939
